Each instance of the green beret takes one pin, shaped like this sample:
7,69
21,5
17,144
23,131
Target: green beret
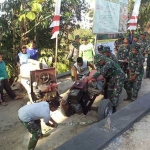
136,36
106,49
98,57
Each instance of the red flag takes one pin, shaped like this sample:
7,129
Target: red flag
56,20
133,20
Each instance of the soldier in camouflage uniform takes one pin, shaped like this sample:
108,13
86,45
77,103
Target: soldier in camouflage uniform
107,52
112,71
123,56
137,41
74,50
30,116
148,62
144,43
100,49
135,66
118,42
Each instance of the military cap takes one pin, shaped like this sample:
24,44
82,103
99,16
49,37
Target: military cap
120,36
136,36
100,47
136,46
77,37
106,49
98,57
84,39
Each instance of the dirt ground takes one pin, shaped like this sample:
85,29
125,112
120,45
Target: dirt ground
15,137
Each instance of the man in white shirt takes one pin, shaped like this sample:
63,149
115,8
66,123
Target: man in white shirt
81,68
86,50
30,116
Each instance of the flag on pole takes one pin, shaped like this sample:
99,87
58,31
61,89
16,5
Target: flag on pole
134,18
56,20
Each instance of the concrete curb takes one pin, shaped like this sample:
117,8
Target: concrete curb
102,133
63,74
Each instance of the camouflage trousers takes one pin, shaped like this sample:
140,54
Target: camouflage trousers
114,90
133,88
123,66
148,67
34,127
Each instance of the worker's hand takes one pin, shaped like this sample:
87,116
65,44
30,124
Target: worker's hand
88,78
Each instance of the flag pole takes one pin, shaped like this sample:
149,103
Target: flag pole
56,53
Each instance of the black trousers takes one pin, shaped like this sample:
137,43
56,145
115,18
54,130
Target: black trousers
6,86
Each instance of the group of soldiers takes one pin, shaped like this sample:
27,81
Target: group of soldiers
125,69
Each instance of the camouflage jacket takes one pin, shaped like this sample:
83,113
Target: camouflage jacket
118,43
141,49
148,51
123,53
74,51
135,64
113,57
144,43
109,70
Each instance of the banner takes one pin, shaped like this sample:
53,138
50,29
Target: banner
110,16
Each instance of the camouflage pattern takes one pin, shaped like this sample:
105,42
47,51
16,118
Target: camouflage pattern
114,75
123,53
34,127
148,62
74,51
112,56
118,43
135,67
99,57
144,44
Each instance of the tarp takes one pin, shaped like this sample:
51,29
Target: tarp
110,16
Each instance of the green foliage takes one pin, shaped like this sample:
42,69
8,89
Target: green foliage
30,20
31,15
61,68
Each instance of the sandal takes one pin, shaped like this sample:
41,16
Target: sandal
18,97
4,103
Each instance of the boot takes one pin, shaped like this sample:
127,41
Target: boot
128,97
114,109
32,144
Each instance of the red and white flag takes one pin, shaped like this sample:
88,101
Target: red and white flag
134,18
56,19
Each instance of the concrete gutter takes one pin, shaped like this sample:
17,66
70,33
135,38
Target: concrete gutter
102,133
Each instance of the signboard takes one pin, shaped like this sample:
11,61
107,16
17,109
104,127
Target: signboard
111,16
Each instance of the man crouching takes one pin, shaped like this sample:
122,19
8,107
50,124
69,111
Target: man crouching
30,116
114,76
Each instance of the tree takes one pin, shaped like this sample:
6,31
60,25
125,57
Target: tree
25,20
